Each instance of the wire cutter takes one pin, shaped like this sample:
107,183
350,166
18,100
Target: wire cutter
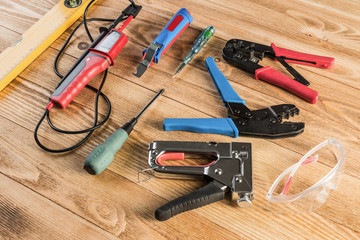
246,55
265,122
164,40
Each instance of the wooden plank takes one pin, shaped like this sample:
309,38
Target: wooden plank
36,39
110,201
27,215
169,189
115,198
17,16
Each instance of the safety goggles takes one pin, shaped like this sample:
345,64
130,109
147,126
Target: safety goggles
317,173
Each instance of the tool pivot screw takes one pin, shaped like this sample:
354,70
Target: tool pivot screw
230,45
237,55
235,153
272,120
212,143
218,171
248,114
238,179
242,123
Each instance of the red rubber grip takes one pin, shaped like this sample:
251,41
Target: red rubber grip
94,65
276,78
169,156
174,39
176,156
95,62
311,60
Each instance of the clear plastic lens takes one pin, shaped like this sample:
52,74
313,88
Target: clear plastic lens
306,185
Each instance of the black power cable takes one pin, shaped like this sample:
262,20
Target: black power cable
95,125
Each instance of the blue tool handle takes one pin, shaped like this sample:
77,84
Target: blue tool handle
177,25
223,126
223,86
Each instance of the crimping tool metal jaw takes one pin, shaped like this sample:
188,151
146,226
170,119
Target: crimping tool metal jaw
231,171
267,122
246,56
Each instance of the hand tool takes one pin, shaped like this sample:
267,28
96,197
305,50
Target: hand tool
246,55
265,122
104,154
199,43
177,25
36,39
96,59
230,171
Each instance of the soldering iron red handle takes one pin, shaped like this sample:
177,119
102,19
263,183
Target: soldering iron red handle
276,78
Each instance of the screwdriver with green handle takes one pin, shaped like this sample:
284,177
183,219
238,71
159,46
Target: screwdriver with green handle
104,154
199,43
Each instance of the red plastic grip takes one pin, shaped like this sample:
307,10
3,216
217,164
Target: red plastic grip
169,156
175,22
93,65
276,78
175,38
95,62
311,60
176,156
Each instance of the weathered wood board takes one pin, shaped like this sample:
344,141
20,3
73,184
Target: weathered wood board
42,193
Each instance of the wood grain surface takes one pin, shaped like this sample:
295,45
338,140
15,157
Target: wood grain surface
50,196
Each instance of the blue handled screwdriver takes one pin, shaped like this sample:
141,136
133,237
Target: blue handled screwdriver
199,43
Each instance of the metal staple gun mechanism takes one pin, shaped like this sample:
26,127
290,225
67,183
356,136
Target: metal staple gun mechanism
230,171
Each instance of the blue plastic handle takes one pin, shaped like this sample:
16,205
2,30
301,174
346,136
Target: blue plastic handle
223,126
175,27
223,86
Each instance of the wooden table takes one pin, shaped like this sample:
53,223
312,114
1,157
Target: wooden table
50,196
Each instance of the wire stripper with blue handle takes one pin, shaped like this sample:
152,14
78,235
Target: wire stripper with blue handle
164,40
265,122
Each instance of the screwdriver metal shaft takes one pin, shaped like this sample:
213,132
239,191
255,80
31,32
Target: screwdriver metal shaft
104,154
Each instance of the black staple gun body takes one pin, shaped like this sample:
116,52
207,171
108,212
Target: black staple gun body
230,171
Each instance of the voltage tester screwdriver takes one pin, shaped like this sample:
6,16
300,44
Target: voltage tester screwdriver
104,154
96,59
199,43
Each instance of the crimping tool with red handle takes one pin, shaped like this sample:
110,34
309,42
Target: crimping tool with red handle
246,55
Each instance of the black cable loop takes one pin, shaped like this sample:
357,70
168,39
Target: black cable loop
96,125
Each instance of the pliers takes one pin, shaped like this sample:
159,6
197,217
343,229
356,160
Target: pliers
265,122
246,55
